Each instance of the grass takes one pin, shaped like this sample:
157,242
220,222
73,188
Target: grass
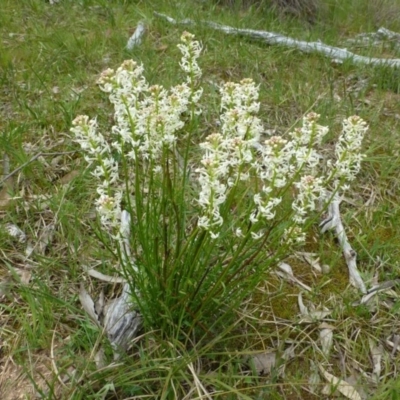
50,58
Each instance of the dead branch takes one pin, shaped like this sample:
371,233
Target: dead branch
334,221
272,38
136,38
36,156
118,318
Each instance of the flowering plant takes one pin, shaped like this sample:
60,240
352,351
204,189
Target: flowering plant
204,231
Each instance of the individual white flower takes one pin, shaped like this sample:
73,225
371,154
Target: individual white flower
239,233
214,235
157,169
204,222
293,236
254,217
257,235
266,208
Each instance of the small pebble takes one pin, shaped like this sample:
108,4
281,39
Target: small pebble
325,269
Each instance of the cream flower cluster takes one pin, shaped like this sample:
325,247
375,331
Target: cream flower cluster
305,139
282,176
226,154
147,117
97,150
279,166
147,121
273,169
348,149
191,50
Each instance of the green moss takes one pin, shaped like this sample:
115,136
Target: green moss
284,305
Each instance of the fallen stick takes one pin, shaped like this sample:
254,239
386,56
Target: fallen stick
333,221
381,37
118,318
136,38
335,53
36,156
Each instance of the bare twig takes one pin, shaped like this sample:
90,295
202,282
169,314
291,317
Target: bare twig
121,322
334,222
136,38
6,166
53,361
105,278
36,156
336,53
381,37
373,291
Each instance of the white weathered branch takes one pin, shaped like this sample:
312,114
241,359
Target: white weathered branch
118,318
335,53
136,38
335,222
382,37
121,322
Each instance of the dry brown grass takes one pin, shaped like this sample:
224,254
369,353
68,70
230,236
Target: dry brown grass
384,12
308,9
15,384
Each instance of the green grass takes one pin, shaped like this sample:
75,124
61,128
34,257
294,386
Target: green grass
50,58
